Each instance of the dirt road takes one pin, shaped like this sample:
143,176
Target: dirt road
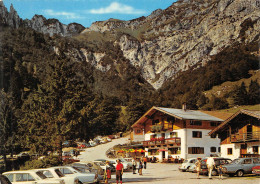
99,151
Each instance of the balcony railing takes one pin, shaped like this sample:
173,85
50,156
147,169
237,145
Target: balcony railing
157,142
245,137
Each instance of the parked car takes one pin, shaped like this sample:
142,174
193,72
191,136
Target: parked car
24,155
83,177
93,166
55,173
256,170
4,180
241,166
111,165
218,161
30,177
84,168
187,163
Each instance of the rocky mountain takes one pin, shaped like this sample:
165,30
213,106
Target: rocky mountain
162,45
38,23
187,33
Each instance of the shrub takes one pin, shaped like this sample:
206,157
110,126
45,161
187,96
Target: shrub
41,163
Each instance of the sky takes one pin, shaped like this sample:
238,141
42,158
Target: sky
86,12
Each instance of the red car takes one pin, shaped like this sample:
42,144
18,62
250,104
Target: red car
256,170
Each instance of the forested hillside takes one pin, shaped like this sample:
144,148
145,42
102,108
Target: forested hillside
55,88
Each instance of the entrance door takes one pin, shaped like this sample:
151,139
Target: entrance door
243,149
163,154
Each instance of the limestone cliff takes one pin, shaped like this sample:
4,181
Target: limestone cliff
38,23
189,32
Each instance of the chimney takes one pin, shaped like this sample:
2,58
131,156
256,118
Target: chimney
184,107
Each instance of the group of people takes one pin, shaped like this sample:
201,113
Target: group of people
137,164
119,172
210,165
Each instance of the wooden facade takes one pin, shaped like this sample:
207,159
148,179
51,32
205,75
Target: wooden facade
242,130
177,132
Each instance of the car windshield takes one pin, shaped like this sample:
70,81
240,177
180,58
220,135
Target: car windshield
41,175
236,161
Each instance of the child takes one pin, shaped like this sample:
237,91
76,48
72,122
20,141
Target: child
220,172
198,167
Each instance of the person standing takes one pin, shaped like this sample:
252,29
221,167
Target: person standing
119,171
198,167
134,165
140,167
145,162
210,165
220,172
107,174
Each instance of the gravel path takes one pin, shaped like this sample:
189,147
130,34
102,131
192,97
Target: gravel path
99,151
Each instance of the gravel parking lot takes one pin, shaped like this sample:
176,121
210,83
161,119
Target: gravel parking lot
160,173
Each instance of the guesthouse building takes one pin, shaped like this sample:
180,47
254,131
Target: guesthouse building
178,133
240,135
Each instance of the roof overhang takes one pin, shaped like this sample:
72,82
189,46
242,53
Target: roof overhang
223,125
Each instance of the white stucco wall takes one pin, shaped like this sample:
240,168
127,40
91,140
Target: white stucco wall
236,149
188,141
138,138
206,141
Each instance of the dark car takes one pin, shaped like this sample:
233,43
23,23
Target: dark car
4,180
218,161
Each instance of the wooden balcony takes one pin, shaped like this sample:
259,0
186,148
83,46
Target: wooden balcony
176,141
245,137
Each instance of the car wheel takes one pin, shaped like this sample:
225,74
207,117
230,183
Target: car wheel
214,173
240,173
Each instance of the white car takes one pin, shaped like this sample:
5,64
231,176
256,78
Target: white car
55,173
30,177
187,164
83,177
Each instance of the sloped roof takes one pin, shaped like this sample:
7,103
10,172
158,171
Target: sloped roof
179,114
220,115
252,113
188,114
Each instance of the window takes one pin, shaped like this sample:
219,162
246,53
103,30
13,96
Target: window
10,177
174,150
219,149
214,124
48,174
213,149
155,121
196,134
138,131
229,151
24,177
256,161
196,150
247,161
213,136
173,134
66,171
195,123
255,149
